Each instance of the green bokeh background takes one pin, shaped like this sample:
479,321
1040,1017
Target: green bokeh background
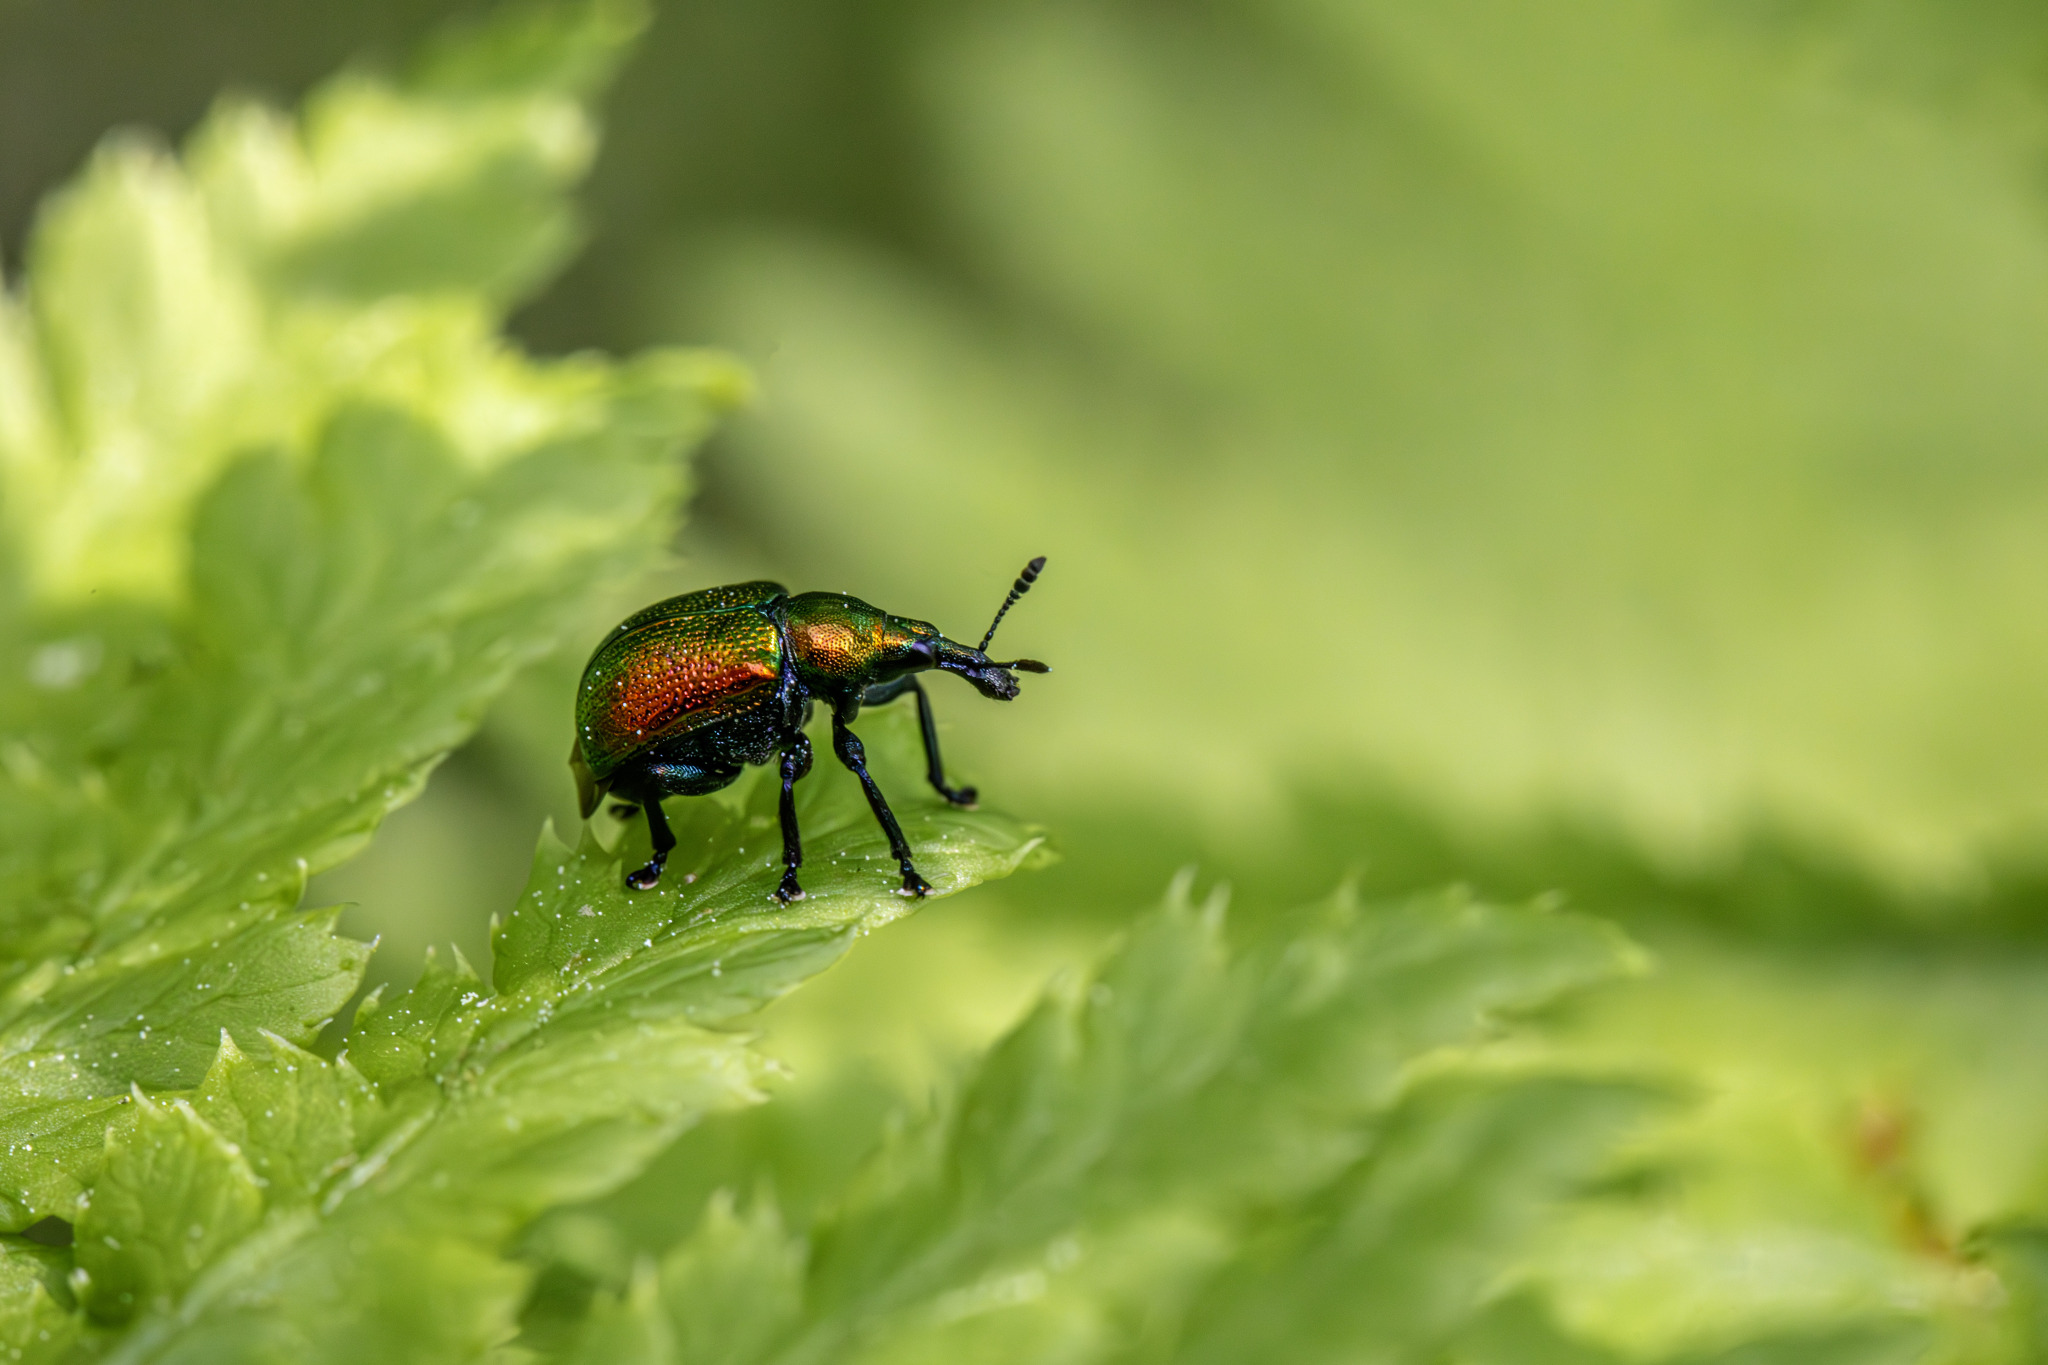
1590,448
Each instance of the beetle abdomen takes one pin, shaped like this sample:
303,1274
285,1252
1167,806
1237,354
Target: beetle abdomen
673,675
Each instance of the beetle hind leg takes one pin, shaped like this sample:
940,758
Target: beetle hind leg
796,761
663,838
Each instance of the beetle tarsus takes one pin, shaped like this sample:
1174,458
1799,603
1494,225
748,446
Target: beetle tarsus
789,890
646,878
914,886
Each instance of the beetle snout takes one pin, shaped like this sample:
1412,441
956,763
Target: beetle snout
990,678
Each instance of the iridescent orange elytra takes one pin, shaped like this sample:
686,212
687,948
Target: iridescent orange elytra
674,675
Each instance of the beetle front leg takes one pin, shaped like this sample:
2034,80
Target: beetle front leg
796,761
848,746
935,769
663,839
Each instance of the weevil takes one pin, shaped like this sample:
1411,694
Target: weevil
681,696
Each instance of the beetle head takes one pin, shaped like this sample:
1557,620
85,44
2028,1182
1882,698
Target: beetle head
906,646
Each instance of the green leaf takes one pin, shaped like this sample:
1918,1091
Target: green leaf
720,1298
1841,1149
146,1018
140,336
470,1113
734,1286
529,48
2017,1252
272,553
284,514
272,548
173,1195
36,1322
53,1150
1399,1249
630,1331
422,1030
287,1110
76,1040
449,182
1127,1137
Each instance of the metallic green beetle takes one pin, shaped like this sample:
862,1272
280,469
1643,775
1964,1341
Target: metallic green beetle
683,694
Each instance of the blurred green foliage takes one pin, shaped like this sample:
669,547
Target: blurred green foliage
1575,451
1189,1153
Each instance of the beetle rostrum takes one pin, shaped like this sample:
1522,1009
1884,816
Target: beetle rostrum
682,695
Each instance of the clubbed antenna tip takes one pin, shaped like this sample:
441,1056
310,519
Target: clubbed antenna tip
1017,590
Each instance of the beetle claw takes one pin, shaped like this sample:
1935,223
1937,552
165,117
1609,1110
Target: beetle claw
966,798
914,887
788,891
645,878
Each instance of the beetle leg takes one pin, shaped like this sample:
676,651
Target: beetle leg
935,769
881,694
848,746
796,761
663,839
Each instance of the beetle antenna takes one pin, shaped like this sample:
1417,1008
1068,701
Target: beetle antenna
1017,590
